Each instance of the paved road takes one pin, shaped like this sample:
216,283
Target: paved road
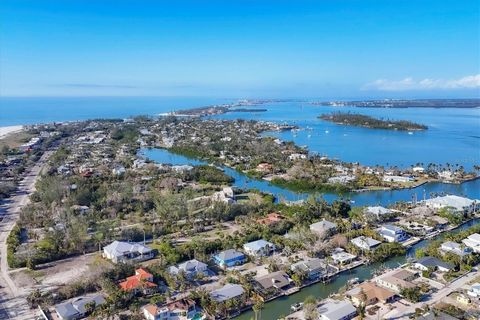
404,312
12,299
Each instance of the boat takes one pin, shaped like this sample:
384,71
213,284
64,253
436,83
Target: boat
353,281
410,132
297,306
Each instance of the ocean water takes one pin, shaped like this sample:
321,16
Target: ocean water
453,136
17,111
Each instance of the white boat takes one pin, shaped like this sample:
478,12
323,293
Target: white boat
297,306
410,132
353,281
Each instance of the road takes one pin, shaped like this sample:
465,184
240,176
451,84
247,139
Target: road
12,299
403,312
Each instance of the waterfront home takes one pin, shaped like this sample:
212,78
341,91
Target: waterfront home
226,195
342,179
377,212
140,282
274,281
324,227
455,248
259,248
432,263
77,308
473,242
340,256
228,292
365,243
229,258
336,310
392,233
474,290
398,179
119,251
190,268
458,204
265,167
183,309
313,269
396,280
372,293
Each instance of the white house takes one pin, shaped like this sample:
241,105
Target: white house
474,290
392,233
227,292
259,248
365,243
119,251
340,256
336,310
400,179
459,204
433,263
178,310
455,248
473,242
190,268
377,212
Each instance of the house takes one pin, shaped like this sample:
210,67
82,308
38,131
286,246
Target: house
324,227
183,309
473,242
227,292
141,281
377,212
455,248
119,170
399,179
336,310
226,195
392,233
265,167
78,308
369,293
340,256
190,268
119,251
259,248
458,204
474,290
365,243
432,263
229,258
313,269
275,280
270,219
396,280
463,299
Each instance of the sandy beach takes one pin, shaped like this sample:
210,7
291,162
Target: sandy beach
4,131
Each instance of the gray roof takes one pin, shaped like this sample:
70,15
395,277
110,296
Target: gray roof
230,254
277,279
362,241
120,248
227,292
336,310
76,307
188,267
308,266
323,225
434,262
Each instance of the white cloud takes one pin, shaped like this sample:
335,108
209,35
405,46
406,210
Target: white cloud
468,82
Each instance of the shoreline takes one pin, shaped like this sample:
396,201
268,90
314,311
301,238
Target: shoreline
8,130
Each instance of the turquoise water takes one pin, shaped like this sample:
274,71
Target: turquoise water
469,189
453,135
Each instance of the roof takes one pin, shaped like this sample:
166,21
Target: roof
120,248
362,241
76,307
227,292
336,310
434,262
399,278
377,210
391,228
257,245
277,279
230,254
372,291
139,280
270,218
310,265
181,305
459,203
323,225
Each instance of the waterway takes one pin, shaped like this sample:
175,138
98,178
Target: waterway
470,189
281,306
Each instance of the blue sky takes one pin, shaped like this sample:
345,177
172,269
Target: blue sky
331,49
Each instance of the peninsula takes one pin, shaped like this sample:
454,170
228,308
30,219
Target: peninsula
361,120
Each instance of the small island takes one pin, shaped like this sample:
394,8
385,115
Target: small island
361,120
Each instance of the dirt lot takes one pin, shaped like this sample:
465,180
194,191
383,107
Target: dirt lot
55,274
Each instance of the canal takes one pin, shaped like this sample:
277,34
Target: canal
281,307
